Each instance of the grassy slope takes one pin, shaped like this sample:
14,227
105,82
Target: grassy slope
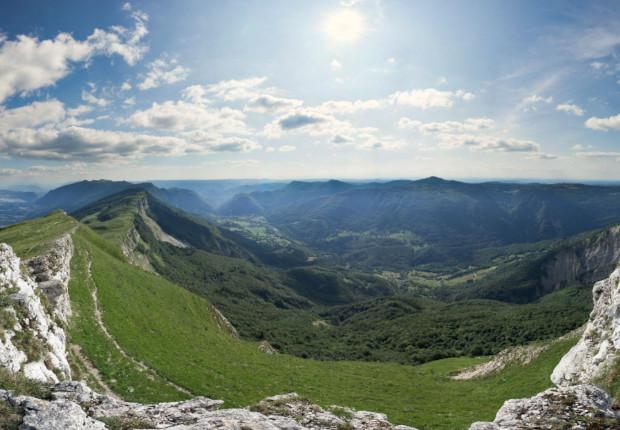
173,331
32,238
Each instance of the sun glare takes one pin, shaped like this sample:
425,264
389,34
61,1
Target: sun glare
346,25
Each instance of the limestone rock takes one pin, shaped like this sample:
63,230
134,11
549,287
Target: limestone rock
575,407
160,415
32,317
597,350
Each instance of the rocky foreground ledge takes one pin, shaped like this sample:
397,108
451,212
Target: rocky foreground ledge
74,406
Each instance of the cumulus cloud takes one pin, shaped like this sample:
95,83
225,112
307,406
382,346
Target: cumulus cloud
287,148
33,115
348,107
531,102
27,63
92,99
569,108
469,125
227,144
429,98
79,110
488,143
44,130
184,116
236,89
78,143
163,71
195,94
604,124
267,103
302,119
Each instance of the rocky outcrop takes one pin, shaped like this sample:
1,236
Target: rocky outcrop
73,406
576,407
52,271
514,355
575,404
596,353
33,340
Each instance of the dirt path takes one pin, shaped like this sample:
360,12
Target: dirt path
150,372
92,371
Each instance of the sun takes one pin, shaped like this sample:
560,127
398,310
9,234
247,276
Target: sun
346,25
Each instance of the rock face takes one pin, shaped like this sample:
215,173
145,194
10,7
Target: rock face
73,406
576,407
32,339
597,351
586,262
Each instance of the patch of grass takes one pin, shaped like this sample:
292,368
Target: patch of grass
34,347
32,238
19,384
123,376
118,423
10,416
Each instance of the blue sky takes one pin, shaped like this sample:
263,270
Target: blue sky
287,89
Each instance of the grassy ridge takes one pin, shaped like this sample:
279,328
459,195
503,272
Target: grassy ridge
32,238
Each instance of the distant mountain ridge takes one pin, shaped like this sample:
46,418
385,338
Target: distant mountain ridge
450,219
80,194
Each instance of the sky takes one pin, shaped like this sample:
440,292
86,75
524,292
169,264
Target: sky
348,89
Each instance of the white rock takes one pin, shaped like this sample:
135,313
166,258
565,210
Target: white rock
575,407
591,358
36,320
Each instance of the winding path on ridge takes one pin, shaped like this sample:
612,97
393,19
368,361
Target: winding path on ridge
151,373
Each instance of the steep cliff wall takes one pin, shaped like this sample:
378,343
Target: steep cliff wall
32,313
586,261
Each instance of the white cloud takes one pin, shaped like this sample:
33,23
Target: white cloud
80,110
542,156
569,108
593,43
129,101
391,60
27,63
429,98
532,101
90,98
348,107
184,116
126,86
287,148
335,65
241,89
42,130
469,125
163,71
195,94
268,103
599,154
604,124
597,65
488,143
33,115
78,143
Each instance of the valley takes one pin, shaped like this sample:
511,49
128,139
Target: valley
155,290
